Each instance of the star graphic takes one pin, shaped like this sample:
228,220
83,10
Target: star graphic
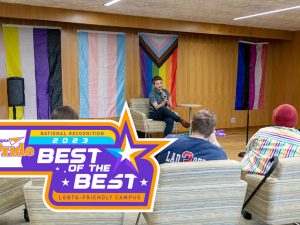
144,182
57,168
65,182
126,152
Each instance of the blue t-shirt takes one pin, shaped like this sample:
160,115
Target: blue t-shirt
190,149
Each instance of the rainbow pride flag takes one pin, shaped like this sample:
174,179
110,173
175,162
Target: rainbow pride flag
101,57
250,86
35,55
158,57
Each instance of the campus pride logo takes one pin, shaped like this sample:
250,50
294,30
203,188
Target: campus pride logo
88,165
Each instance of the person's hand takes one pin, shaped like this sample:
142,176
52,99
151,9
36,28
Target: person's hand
167,102
213,139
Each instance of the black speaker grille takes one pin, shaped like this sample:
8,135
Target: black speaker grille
15,91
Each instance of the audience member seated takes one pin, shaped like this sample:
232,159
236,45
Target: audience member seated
281,140
64,113
202,145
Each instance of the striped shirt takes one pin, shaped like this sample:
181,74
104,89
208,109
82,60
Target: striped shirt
283,142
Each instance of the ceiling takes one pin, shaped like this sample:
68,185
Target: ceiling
210,11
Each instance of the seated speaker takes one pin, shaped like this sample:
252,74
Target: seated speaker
15,91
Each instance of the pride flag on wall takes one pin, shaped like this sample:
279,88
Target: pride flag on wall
250,76
101,57
35,55
158,57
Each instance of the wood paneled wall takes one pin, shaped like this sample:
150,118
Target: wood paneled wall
3,99
206,72
207,75
113,20
286,78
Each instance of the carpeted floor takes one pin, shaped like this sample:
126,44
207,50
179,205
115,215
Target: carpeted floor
15,217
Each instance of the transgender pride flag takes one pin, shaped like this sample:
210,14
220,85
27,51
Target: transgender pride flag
101,57
250,76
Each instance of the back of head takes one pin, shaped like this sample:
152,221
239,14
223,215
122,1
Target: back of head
285,115
64,113
204,122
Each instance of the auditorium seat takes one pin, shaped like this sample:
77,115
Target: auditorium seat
196,193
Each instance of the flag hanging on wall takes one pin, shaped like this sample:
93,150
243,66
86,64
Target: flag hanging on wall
250,76
101,57
35,55
158,57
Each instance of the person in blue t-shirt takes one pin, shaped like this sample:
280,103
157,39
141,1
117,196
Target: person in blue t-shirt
202,145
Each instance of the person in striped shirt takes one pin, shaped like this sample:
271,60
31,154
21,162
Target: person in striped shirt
281,140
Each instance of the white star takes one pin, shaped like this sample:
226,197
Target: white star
144,182
57,168
65,182
128,151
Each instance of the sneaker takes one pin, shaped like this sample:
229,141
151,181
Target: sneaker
185,124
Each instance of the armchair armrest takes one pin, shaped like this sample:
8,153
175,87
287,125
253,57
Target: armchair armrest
139,119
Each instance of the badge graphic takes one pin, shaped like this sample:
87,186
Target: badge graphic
97,165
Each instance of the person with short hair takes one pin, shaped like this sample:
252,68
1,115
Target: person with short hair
202,145
160,104
281,140
64,113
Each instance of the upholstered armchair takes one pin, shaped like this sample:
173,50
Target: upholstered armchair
11,193
39,214
139,109
196,193
278,199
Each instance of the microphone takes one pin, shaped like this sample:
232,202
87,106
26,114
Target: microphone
164,95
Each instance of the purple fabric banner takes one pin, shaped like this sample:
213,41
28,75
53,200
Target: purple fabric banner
41,72
252,76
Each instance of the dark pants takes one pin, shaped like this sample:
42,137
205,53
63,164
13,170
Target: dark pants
165,114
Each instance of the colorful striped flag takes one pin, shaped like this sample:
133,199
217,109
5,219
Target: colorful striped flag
35,55
158,57
250,76
101,57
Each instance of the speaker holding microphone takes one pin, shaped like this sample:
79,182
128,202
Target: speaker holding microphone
15,93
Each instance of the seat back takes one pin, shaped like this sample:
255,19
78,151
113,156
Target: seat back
198,193
40,214
140,104
11,193
278,200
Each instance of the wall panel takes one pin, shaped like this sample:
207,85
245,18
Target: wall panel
207,75
206,72
286,78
